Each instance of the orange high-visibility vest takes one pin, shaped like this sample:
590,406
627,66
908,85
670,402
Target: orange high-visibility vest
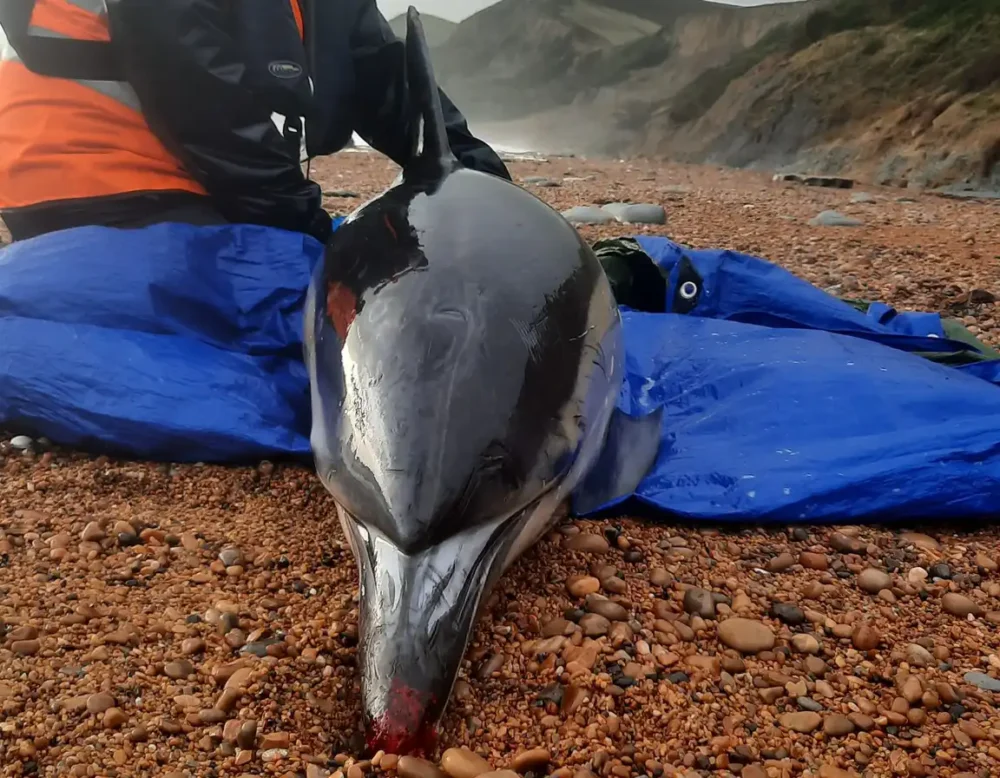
64,139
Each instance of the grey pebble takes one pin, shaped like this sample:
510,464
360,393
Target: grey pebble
862,197
586,214
638,213
983,681
807,703
834,219
21,442
541,181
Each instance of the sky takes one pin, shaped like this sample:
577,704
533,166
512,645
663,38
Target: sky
456,10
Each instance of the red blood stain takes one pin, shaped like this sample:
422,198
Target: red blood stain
341,307
392,229
402,729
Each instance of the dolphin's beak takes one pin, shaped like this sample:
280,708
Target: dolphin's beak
416,614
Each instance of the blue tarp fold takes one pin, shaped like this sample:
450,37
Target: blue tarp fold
779,402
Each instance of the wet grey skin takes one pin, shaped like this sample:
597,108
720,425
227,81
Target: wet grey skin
465,356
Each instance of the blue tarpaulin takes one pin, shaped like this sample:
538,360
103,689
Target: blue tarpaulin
779,402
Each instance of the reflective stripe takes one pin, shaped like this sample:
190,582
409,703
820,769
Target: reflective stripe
98,7
121,91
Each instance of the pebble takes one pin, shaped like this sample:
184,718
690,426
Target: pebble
641,213
862,197
531,759
804,721
178,670
26,647
594,625
746,636
463,763
609,609
788,613
780,563
837,725
873,581
582,585
414,767
92,533
805,644
588,543
192,646
813,561
700,602
834,219
21,442
100,702
960,605
918,656
114,718
585,214
865,637
982,681
541,181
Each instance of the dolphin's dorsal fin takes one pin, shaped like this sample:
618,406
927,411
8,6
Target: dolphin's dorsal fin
424,98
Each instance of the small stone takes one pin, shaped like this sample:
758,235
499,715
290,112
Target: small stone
862,721
21,442
659,577
26,647
606,608
873,581
845,544
274,740
941,571
920,540
960,605
985,563
982,681
865,637
248,735
530,760
138,734
746,635
804,721
178,670
114,718
100,702
587,542
862,197
192,646
641,213
414,767
912,690
837,725
541,181
814,561
780,563
594,625
918,656
834,219
582,585
585,214
805,644
463,763
92,533
700,602
230,556
788,613
807,703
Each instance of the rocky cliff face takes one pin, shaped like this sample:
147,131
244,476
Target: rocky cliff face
520,58
896,91
909,94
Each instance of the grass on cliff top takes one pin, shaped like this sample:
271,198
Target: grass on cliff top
954,44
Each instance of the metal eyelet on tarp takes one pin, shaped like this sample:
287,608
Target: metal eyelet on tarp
689,290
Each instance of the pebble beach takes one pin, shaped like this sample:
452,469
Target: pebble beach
191,621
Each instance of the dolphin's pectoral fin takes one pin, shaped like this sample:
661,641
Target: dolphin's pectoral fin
629,453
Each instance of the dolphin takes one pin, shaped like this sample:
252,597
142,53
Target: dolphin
465,356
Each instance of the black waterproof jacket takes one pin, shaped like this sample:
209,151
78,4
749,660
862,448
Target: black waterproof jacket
210,73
